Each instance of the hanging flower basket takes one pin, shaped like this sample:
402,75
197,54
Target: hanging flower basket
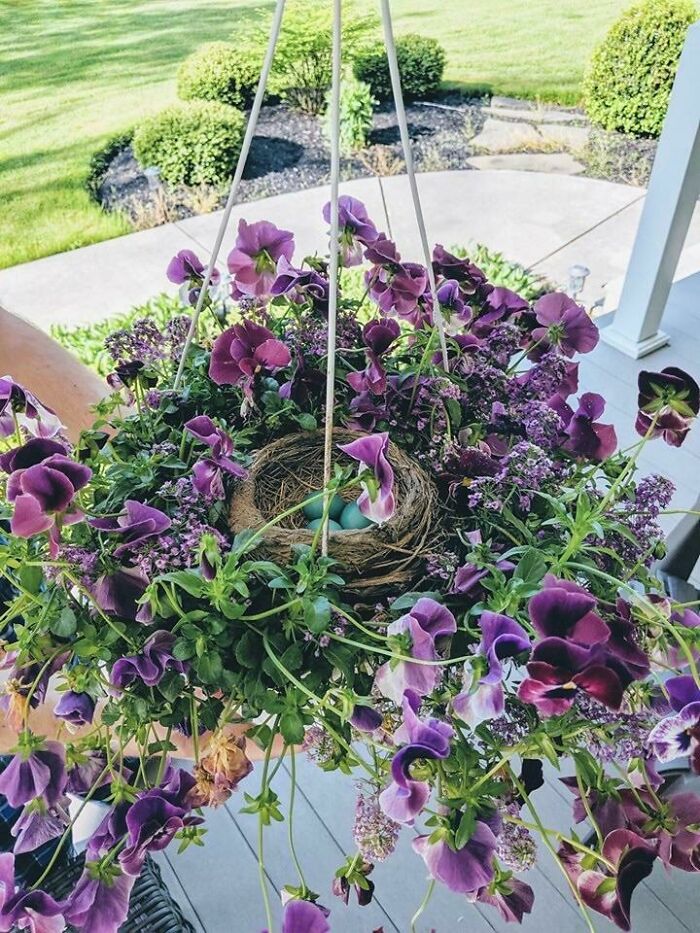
374,561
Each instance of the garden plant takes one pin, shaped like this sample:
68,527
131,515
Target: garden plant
470,596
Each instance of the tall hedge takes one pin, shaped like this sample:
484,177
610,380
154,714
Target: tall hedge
631,73
219,71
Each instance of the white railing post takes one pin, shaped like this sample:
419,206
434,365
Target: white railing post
673,191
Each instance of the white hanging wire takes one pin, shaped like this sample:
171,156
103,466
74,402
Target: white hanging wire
333,266
410,172
235,184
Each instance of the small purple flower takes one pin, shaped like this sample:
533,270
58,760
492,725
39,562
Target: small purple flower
477,701
43,495
377,504
31,414
586,437
405,797
356,228
427,621
118,593
187,267
100,901
511,897
35,772
501,305
501,638
378,336
679,734
365,718
137,523
672,397
304,917
301,286
472,280
451,300
253,260
566,610
39,824
150,666
563,324
243,351
33,910
208,479
465,870
76,708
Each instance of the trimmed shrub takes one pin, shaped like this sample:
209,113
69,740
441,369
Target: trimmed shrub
631,73
194,143
219,71
301,70
421,66
356,112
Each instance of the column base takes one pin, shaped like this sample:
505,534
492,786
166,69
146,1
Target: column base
634,348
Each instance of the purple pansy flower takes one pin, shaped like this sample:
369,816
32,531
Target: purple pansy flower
36,450
301,285
244,350
477,701
365,718
405,797
471,462
470,277
100,901
118,594
36,772
501,637
370,452
679,734
672,397
39,824
34,910
501,304
393,285
253,260
586,437
451,300
465,870
76,708
186,266
150,666
427,621
558,669
511,897
563,324
208,479
304,917
378,336
566,610
356,230
136,524
31,414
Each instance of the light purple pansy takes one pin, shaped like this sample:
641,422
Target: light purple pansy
136,524
38,773
356,230
77,709
304,917
501,637
586,437
243,351
370,452
463,871
679,734
399,289
187,267
405,797
563,324
32,415
32,910
100,901
208,478
427,621
253,260
477,701
150,665
39,824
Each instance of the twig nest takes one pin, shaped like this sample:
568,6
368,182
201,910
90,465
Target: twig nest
373,560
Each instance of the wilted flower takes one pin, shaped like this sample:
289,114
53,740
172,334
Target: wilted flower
100,901
301,285
150,666
253,260
39,824
208,471
31,414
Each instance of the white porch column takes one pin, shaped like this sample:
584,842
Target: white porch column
673,190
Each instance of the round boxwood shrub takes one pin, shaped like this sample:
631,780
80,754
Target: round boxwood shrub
193,143
630,76
421,66
219,71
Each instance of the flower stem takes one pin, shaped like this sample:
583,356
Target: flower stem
423,904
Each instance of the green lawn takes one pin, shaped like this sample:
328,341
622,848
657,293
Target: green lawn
74,72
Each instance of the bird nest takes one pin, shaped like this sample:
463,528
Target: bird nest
375,560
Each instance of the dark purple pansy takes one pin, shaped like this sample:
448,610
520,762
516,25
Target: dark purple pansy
566,610
559,669
301,286
365,718
36,450
427,621
470,277
136,524
76,708
501,304
586,437
36,772
150,666
669,401
399,289
100,901
511,897
186,266
563,324
377,504
43,494
304,917
32,910
208,472
610,892
465,870
118,594
243,351
378,336
450,296
405,797
356,230
253,260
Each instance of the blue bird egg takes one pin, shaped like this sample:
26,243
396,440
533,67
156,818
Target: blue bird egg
352,518
332,526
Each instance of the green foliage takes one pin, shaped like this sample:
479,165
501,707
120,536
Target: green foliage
356,112
193,143
421,66
301,71
101,159
219,71
631,73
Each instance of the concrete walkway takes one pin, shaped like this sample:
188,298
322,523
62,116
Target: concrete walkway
546,222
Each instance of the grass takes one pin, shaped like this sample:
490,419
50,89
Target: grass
74,72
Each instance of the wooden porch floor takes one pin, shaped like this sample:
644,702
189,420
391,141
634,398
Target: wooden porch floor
218,887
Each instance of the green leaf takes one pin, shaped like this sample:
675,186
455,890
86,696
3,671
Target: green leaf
292,727
249,651
317,614
307,422
30,578
187,580
466,828
531,567
65,624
